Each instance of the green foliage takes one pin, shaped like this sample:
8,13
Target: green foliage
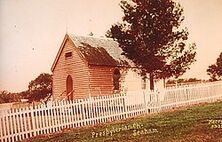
215,70
7,97
150,35
181,80
24,94
41,87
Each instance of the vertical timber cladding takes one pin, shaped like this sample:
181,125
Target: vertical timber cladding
74,66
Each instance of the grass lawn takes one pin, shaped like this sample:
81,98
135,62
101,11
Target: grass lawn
192,124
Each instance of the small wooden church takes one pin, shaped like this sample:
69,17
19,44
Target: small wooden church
89,66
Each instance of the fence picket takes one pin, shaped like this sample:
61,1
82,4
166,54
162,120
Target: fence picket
38,120
1,130
37,115
14,128
11,125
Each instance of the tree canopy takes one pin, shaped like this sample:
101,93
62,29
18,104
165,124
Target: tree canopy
215,70
40,87
7,97
151,36
183,80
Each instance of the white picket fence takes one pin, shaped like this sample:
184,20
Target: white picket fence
18,124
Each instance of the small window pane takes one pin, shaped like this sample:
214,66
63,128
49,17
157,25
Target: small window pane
116,77
68,54
143,84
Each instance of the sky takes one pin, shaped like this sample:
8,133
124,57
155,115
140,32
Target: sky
31,32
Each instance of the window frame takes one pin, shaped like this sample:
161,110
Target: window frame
68,55
116,79
144,83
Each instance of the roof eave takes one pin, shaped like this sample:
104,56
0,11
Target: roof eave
59,52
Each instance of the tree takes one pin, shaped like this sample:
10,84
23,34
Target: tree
150,35
24,94
183,80
215,70
7,97
41,87
193,80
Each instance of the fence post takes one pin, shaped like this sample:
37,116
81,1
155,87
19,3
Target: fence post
161,95
32,109
145,101
125,105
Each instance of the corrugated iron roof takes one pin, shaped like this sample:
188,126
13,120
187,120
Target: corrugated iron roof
100,51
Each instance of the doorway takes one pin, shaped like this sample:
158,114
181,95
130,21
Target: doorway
69,87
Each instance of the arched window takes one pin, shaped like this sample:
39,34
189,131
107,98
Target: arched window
143,83
69,87
116,79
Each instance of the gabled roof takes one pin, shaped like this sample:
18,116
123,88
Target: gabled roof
96,51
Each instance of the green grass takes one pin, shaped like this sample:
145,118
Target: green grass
181,125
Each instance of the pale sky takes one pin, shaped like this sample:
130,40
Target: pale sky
31,32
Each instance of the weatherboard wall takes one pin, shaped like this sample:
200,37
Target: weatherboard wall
74,66
101,80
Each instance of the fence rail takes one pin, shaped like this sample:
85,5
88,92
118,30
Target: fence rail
21,123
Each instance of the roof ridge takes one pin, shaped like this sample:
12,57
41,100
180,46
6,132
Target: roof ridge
88,36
